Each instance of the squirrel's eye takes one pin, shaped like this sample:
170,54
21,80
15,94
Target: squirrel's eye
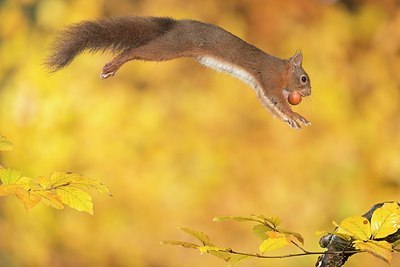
303,78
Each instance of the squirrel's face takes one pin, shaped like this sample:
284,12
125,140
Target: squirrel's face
298,79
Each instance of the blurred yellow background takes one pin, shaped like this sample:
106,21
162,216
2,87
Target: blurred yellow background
178,143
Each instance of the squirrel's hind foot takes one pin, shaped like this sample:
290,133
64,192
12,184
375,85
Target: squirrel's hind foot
109,70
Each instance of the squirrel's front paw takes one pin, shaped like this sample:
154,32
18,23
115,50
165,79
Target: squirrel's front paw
295,120
108,71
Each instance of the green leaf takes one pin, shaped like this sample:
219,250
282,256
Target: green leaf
9,176
380,249
234,260
237,219
75,198
202,237
5,145
275,241
356,227
260,230
180,243
385,220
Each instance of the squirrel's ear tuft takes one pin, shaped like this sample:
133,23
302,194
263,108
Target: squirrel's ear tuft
296,60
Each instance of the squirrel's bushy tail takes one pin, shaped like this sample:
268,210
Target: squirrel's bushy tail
116,34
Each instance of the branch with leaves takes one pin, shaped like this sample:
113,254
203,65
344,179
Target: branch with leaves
376,232
57,190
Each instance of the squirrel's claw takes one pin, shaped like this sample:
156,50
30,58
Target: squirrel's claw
106,75
109,70
295,121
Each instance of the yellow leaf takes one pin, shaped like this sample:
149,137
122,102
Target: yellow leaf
51,199
8,189
385,220
206,249
9,176
260,230
202,237
75,198
275,221
29,199
234,260
90,183
180,243
293,236
5,145
380,249
60,179
238,219
44,182
356,227
274,241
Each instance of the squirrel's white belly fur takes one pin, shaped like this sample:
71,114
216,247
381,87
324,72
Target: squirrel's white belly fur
233,70
242,75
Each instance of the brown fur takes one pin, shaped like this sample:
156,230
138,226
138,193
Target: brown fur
158,39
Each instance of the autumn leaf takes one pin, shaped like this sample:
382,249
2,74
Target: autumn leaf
89,183
206,249
215,251
55,191
260,230
28,198
202,237
293,236
44,182
385,220
58,179
380,249
234,260
356,227
274,241
75,198
275,221
8,189
51,199
180,243
9,176
237,219
5,145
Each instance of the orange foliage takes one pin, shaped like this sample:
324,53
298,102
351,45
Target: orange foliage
178,144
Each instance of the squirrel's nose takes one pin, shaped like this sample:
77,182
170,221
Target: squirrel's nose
305,92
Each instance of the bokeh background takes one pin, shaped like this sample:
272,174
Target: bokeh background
178,143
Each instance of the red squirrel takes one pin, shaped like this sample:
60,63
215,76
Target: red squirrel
162,38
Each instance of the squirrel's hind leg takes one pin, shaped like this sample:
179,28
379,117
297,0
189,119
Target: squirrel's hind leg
112,66
157,50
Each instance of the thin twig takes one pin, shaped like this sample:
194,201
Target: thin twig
305,253
300,247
